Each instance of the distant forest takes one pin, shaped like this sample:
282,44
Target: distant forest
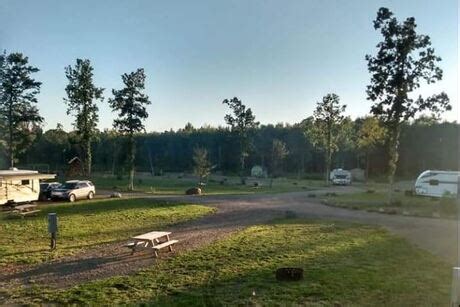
425,144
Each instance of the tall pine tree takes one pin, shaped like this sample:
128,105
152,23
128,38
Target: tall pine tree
82,96
403,60
326,128
242,122
130,104
18,111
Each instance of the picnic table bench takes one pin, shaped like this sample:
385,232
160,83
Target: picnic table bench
24,210
154,240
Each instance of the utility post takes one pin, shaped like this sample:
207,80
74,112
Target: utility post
52,229
455,293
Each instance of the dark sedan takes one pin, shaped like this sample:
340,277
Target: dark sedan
46,188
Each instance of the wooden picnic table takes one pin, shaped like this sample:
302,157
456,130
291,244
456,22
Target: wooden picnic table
24,210
25,207
154,240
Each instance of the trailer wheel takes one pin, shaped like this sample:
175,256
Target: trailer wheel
72,198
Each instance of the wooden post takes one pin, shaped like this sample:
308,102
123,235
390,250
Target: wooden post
52,229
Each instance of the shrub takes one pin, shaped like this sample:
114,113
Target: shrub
370,191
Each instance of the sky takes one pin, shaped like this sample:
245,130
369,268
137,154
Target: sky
278,57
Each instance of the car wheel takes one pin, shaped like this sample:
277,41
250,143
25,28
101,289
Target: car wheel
72,198
90,195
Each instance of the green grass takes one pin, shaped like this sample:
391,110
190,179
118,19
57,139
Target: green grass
85,224
377,201
344,264
173,185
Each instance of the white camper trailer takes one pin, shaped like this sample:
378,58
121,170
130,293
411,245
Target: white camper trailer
437,183
340,176
20,186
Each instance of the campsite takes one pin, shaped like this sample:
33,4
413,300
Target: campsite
235,153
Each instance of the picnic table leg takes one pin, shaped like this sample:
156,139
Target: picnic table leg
134,248
170,246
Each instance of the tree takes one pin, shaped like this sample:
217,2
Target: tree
51,148
241,122
82,96
324,130
130,103
202,166
279,153
19,114
404,59
370,134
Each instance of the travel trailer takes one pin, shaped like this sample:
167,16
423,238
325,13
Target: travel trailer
437,183
339,176
20,186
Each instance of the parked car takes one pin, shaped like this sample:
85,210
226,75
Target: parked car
340,176
46,188
74,189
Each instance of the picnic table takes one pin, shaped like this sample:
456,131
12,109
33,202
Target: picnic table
24,210
154,240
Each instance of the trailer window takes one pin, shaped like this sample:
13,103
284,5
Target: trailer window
434,182
25,182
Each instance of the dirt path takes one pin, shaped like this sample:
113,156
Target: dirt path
234,212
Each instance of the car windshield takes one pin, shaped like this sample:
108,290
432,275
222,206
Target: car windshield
69,185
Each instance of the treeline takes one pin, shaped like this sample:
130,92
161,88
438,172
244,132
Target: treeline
425,144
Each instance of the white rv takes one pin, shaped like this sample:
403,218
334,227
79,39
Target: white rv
20,186
339,176
437,183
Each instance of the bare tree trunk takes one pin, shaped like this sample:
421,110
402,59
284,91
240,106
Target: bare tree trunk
132,154
152,170
113,161
10,139
11,150
393,157
88,157
328,152
366,173
328,166
243,181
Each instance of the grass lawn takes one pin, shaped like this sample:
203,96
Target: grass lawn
84,224
378,202
173,185
345,264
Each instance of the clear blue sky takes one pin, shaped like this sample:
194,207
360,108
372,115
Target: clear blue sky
279,57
